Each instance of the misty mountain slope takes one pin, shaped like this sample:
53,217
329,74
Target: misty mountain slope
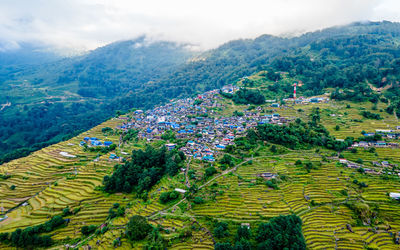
123,66
15,58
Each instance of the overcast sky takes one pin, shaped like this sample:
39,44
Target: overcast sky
87,24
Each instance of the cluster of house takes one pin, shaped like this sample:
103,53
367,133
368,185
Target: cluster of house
357,166
95,142
230,89
192,119
378,144
382,165
304,100
386,133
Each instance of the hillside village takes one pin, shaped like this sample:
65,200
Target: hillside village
195,119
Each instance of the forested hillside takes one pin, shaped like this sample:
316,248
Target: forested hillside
55,100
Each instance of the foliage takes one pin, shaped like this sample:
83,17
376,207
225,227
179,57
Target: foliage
243,232
228,160
66,211
29,237
144,170
198,200
370,115
375,137
137,228
4,176
116,211
248,96
210,171
300,135
107,130
272,184
154,241
283,232
220,230
361,211
168,135
130,135
168,196
223,246
86,230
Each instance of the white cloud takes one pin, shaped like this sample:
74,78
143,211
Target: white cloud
87,24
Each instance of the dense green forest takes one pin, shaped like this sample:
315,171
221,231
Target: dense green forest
31,237
58,98
282,232
144,170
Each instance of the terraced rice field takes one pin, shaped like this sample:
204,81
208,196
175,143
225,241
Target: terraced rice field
244,199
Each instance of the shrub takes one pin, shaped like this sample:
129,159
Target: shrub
198,200
137,228
220,230
66,211
210,171
86,230
168,196
370,115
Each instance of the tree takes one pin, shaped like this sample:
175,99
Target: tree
86,230
168,196
283,232
220,230
137,228
243,232
210,171
228,160
242,244
223,246
198,200
144,170
248,96
154,241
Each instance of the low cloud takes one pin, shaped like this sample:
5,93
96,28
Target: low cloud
87,24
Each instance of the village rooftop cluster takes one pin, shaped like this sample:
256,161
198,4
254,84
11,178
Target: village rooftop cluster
196,120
